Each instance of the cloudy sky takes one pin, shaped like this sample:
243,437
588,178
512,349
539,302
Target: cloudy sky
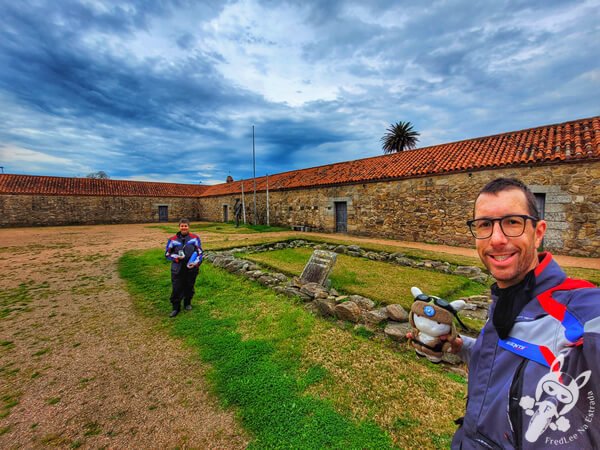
169,90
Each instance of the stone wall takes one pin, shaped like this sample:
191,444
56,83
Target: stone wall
26,210
434,209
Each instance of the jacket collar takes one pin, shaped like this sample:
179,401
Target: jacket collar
547,275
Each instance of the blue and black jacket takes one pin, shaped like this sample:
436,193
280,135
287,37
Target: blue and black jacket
540,387
181,250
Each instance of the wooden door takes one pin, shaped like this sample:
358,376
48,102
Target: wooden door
163,213
341,217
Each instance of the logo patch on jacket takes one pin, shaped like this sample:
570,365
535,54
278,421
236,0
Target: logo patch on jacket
556,394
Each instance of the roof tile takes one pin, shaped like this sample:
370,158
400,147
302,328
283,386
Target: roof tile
28,184
569,141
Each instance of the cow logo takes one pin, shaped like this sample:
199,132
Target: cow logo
429,311
556,394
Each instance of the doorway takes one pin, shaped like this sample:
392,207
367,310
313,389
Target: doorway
225,213
163,213
341,217
540,202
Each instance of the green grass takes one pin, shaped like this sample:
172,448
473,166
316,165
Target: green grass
7,402
92,429
264,352
53,400
583,274
592,275
259,373
220,228
458,260
17,300
381,281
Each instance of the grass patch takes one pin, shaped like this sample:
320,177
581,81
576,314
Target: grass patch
220,228
92,429
41,352
8,402
95,257
381,281
227,243
7,344
590,275
53,400
458,260
17,300
8,370
296,381
363,332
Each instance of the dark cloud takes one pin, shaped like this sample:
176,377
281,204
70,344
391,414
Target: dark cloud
131,87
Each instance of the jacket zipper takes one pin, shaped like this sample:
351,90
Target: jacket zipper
515,413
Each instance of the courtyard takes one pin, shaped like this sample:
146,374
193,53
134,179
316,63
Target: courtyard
89,359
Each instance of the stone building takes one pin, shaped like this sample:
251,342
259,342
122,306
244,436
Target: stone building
32,200
424,195
427,194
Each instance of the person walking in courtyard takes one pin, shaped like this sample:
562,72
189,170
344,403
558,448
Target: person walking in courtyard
184,250
237,210
534,370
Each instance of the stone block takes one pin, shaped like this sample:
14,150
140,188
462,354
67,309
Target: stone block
467,271
397,313
319,267
558,226
555,217
280,277
375,316
551,198
397,331
363,302
554,208
405,262
348,311
326,307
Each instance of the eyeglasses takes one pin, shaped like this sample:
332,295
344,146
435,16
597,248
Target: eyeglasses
442,304
512,225
436,301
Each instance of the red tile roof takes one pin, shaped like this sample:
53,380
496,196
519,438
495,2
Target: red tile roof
28,184
573,141
570,141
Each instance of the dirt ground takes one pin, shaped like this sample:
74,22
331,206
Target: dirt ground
81,367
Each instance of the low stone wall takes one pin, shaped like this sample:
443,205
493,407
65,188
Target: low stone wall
391,319
435,209
27,210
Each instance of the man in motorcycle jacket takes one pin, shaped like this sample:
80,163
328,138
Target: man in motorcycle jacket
534,371
184,250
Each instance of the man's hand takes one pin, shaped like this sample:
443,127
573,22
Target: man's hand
456,343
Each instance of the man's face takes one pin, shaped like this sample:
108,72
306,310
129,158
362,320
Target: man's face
184,228
508,258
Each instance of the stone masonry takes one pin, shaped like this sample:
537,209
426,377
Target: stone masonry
426,209
434,209
27,210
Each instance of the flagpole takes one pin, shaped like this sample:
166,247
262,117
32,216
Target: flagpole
267,199
243,203
254,174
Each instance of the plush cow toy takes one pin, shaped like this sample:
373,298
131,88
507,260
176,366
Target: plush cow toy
430,318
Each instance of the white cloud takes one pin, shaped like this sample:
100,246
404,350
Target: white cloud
17,159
